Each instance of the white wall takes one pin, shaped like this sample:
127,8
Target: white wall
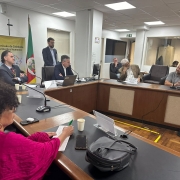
39,24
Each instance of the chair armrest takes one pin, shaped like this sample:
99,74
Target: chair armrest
146,77
162,80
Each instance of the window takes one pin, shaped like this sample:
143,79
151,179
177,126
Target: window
162,51
115,48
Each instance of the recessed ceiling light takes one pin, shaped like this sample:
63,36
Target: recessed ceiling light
122,30
64,14
120,6
154,23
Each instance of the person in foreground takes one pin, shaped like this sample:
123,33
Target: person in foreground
173,78
24,157
128,70
9,71
114,67
63,69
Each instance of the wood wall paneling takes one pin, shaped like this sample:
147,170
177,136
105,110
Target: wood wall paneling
149,105
103,97
85,97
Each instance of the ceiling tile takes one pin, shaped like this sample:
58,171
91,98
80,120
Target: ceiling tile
102,8
26,4
174,6
162,14
170,18
145,3
171,1
66,6
4,1
172,22
131,11
46,2
153,9
103,2
46,9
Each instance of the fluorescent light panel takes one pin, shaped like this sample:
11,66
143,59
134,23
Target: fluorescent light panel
120,6
154,23
64,14
122,30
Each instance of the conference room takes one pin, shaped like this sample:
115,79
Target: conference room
89,89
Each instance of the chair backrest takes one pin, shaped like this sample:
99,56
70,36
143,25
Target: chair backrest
112,75
47,73
158,71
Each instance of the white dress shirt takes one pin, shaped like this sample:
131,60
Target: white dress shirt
64,70
129,74
52,53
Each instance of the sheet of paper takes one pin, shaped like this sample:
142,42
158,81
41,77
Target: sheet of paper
50,84
64,144
35,94
131,81
31,85
60,81
106,123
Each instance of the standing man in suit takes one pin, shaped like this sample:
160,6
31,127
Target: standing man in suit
9,71
63,69
49,53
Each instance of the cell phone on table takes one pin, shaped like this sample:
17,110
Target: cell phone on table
81,142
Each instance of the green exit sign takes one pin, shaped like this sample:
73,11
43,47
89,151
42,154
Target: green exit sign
129,35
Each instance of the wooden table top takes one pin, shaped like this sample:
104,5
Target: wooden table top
113,82
61,160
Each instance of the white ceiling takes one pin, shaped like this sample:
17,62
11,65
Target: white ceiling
146,10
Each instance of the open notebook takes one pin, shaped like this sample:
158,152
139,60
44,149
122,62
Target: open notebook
64,144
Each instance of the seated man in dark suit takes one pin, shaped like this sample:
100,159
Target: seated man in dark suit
9,71
63,69
49,53
114,69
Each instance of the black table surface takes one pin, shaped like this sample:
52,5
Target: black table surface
149,163
28,107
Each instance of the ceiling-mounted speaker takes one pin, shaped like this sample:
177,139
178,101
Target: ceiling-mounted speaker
3,8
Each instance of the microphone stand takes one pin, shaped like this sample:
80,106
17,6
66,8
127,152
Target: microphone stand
44,108
41,85
78,76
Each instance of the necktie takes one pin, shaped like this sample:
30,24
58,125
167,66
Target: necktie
13,71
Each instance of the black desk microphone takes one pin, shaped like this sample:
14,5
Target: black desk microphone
43,108
77,74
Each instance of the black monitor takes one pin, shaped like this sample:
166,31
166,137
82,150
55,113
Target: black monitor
96,70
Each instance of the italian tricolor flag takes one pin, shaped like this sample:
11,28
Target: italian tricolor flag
30,57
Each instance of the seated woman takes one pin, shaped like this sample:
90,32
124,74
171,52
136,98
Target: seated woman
24,157
128,70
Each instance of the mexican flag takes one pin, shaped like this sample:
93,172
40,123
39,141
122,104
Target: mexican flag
30,57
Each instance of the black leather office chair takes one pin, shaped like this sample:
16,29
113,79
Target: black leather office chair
47,73
157,75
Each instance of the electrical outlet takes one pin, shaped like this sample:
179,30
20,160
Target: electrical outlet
70,90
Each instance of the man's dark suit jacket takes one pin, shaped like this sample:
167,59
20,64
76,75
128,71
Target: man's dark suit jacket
47,56
59,69
6,74
114,69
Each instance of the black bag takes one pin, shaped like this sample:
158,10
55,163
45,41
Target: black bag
110,155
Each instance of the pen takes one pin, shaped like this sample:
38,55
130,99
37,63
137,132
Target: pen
70,122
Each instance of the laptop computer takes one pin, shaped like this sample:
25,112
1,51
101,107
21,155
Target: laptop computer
68,80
